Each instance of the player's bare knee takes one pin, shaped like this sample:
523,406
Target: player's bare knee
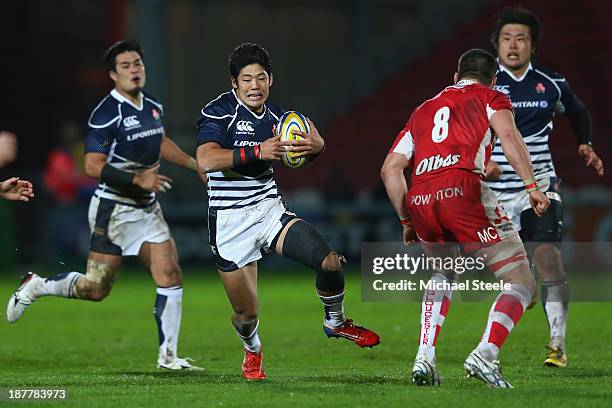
91,290
168,277
98,282
332,263
547,260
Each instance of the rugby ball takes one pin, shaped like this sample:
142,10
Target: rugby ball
287,123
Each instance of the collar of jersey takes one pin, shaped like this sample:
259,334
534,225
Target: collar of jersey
507,71
115,93
465,82
247,108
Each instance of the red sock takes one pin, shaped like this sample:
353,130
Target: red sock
503,316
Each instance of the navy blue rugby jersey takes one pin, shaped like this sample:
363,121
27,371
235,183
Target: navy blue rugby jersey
228,122
536,97
131,139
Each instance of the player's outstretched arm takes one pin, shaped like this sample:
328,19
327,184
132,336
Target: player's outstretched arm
16,190
392,174
172,153
517,154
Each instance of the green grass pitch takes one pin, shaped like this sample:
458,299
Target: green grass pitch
104,353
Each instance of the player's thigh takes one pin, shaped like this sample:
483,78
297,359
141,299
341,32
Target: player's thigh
547,228
474,216
161,260
280,239
241,288
424,214
507,259
438,253
102,269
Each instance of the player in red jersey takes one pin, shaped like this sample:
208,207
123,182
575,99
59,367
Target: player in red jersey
447,143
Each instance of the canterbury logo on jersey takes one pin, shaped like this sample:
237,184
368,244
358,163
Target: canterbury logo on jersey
241,143
131,122
436,162
244,126
505,89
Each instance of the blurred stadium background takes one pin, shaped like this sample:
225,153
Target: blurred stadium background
357,67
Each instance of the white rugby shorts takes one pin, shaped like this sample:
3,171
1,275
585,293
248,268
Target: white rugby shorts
518,201
242,235
118,229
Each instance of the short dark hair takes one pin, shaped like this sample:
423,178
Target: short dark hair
110,55
477,64
247,54
518,15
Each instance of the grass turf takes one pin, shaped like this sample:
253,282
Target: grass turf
105,353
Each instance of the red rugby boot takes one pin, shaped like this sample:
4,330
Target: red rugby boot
252,365
359,335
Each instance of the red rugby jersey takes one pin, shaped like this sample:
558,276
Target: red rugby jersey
451,130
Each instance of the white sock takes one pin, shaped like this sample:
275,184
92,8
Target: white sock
251,342
334,309
434,308
63,284
555,299
168,306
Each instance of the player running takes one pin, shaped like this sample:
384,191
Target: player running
246,214
536,95
124,144
447,143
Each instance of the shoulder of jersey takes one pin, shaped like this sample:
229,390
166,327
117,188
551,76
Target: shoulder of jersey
150,98
106,113
549,73
222,107
275,110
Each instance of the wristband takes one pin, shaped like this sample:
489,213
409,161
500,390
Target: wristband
245,155
115,177
406,221
531,185
530,180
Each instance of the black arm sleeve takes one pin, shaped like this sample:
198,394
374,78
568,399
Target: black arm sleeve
115,177
577,113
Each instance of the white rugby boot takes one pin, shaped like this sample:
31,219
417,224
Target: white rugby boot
23,297
487,371
425,373
174,363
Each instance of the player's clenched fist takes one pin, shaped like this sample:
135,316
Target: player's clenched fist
150,180
493,171
409,234
539,202
272,148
